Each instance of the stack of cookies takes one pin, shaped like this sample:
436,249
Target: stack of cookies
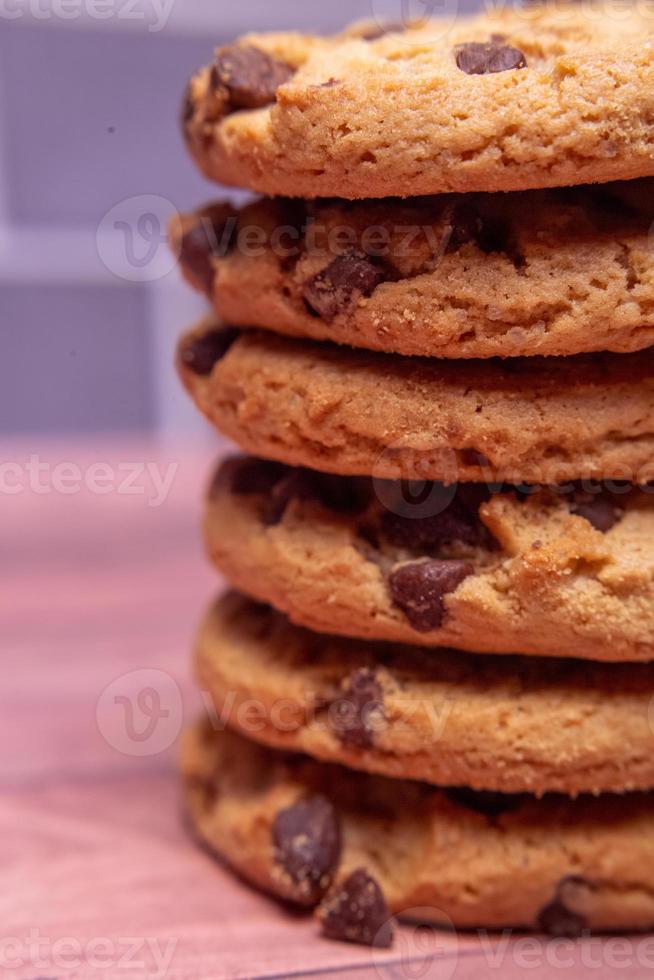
432,692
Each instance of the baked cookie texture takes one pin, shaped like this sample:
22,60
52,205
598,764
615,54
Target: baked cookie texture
357,412
319,835
554,272
513,724
556,572
517,98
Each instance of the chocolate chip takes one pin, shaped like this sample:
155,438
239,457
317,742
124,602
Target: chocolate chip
200,354
465,225
295,484
292,486
601,510
557,918
355,716
244,475
249,76
349,275
477,58
338,493
212,236
453,524
356,912
419,588
421,515
470,223
307,846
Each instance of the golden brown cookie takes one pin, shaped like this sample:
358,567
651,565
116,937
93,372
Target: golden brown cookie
318,835
560,572
540,420
458,276
508,724
507,100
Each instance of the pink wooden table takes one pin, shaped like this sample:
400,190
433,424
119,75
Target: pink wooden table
102,581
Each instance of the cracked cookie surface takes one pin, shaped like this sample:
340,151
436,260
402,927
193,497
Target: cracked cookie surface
540,420
557,572
475,860
555,272
513,99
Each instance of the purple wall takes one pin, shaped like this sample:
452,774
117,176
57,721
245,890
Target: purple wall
88,118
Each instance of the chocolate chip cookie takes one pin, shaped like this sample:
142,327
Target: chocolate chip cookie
520,97
360,848
509,724
542,420
478,275
564,571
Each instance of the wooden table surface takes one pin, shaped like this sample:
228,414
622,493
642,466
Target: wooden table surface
100,593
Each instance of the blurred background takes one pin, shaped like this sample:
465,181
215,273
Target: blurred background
89,91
